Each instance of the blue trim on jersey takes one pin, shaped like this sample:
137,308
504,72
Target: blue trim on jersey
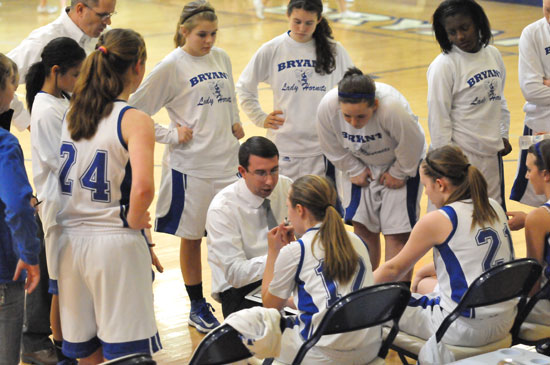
424,301
330,170
457,279
119,125
171,221
358,282
364,243
353,204
330,173
125,187
413,184
52,287
520,184
78,350
306,306
301,262
119,349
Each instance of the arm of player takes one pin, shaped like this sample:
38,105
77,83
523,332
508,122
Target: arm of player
504,112
236,125
255,72
430,230
440,86
158,88
536,230
138,132
21,117
279,283
276,242
531,71
410,141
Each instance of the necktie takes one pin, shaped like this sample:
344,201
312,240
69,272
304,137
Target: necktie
271,221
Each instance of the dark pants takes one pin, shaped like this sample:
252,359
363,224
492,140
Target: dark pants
36,330
233,299
12,299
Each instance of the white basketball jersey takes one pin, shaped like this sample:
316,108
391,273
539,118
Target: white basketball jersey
315,292
467,253
95,175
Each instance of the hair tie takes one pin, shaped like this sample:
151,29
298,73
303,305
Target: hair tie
467,167
102,49
432,166
537,148
356,95
197,12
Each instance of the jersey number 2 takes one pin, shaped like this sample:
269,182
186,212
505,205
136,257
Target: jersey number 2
490,236
93,179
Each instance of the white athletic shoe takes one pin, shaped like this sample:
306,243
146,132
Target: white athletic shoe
259,6
48,9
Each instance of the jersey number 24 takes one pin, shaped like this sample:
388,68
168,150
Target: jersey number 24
93,179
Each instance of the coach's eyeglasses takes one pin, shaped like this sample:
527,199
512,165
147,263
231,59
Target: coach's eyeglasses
262,174
103,16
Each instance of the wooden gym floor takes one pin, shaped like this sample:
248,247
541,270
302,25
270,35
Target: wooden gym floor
391,40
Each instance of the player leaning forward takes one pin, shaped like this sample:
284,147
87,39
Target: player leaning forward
368,131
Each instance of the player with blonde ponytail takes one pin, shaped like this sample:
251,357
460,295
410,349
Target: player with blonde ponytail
324,264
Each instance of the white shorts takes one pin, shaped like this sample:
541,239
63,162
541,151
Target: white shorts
522,191
540,313
381,209
295,167
184,200
423,316
291,342
106,294
493,172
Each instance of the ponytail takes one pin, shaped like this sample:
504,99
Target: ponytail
34,81
318,195
451,163
190,16
102,79
325,47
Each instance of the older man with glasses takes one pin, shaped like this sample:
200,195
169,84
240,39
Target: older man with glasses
83,21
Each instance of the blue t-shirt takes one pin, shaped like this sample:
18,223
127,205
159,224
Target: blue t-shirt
17,223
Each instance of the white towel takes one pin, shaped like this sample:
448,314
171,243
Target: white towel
260,329
434,353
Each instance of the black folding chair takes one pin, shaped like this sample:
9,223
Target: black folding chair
531,333
135,359
501,283
222,345
361,309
